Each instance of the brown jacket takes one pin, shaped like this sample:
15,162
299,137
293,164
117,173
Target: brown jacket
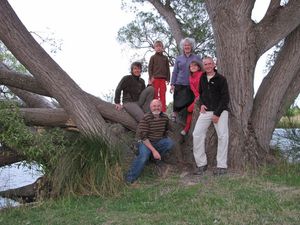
159,67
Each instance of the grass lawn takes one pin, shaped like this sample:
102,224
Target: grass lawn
272,197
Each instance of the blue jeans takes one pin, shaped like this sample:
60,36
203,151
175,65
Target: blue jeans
162,146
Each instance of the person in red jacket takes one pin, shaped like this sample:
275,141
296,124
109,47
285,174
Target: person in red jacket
195,75
159,73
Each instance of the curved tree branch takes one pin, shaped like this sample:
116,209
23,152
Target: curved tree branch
106,109
50,75
277,85
21,81
58,116
32,100
168,13
279,22
290,95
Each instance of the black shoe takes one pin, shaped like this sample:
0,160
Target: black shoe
200,170
220,171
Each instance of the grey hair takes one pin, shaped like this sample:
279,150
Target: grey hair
191,41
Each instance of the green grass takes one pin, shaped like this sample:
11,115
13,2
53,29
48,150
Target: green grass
231,199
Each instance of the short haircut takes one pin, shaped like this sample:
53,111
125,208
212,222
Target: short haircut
135,64
158,43
208,57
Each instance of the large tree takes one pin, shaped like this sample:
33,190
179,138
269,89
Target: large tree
239,44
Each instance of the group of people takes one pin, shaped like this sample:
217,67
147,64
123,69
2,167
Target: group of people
192,80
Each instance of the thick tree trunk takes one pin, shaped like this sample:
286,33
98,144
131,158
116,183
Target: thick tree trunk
239,47
233,41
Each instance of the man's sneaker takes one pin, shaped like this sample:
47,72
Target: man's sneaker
220,171
200,170
183,132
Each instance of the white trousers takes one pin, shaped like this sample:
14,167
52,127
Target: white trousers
199,134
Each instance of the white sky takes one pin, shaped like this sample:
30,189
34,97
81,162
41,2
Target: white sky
90,54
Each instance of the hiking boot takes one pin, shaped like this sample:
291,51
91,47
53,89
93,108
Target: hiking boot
163,168
200,170
220,171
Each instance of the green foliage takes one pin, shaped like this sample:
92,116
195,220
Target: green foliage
291,119
71,162
149,26
89,167
232,200
284,173
41,146
8,59
293,111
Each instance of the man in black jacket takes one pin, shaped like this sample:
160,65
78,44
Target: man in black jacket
214,99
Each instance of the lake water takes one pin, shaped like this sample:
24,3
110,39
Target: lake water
16,175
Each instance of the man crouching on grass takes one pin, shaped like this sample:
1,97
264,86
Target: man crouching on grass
152,133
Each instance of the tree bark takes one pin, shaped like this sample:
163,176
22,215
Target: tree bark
49,74
58,117
276,87
25,194
9,156
22,81
239,46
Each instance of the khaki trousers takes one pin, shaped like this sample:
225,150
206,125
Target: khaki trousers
199,134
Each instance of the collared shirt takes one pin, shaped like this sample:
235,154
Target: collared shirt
153,128
181,71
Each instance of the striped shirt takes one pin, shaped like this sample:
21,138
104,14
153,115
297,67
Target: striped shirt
153,128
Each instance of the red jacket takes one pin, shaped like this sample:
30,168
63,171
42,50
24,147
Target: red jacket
194,82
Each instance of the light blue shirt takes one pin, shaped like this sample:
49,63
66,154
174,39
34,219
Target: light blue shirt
181,71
